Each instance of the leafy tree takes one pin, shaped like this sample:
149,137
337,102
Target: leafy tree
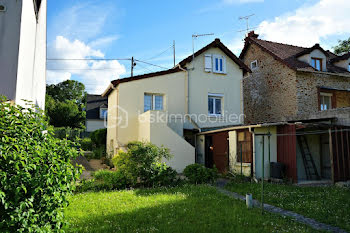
36,173
65,104
342,47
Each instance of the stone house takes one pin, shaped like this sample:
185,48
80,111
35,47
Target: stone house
293,83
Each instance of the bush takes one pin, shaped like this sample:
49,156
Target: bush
68,133
140,161
99,137
105,180
86,144
36,173
198,174
99,152
161,175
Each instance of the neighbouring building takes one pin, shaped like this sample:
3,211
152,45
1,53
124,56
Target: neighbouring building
291,82
171,107
96,112
297,108
23,50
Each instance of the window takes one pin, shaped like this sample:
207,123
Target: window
349,67
316,63
215,104
325,101
103,113
244,146
254,65
219,64
2,8
153,102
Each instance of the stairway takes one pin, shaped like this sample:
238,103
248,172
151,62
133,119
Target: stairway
309,163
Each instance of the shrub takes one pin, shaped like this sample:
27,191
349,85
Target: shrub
86,144
139,162
198,174
36,173
161,175
105,180
68,133
99,152
99,137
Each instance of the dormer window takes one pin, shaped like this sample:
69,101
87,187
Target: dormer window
316,63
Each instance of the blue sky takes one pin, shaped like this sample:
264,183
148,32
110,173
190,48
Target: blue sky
144,29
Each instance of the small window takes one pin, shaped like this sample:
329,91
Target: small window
325,101
254,65
349,67
153,102
103,113
316,63
219,64
215,105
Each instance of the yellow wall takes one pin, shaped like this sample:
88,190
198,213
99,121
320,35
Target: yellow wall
201,83
112,123
161,135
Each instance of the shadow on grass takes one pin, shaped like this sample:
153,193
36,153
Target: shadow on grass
185,209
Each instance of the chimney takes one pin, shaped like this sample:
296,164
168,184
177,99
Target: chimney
252,34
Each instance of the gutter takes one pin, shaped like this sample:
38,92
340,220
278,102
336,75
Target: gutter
323,72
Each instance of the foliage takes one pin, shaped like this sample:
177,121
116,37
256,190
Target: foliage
198,174
65,103
342,47
86,144
99,152
185,208
99,137
139,163
330,205
36,174
105,180
67,133
161,175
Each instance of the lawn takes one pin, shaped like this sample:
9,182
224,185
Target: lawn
329,205
181,209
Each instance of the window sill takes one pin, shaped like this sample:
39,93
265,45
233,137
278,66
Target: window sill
215,115
214,72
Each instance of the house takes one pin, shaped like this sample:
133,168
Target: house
170,107
290,82
96,112
297,113
23,50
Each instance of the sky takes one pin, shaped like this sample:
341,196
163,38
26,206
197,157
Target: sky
105,30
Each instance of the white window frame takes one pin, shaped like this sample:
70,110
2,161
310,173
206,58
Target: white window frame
216,96
219,57
101,111
153,107
256,65
325,94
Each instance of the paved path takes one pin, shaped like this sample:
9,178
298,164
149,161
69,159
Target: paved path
273,209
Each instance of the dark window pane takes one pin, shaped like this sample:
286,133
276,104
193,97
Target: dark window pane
217,106
210,105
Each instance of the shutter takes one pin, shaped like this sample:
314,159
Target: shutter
207,63
224,64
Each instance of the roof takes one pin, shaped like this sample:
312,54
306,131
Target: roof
93,104
215,44
288,54
345,56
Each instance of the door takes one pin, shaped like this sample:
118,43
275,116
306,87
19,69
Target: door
220,151
209,151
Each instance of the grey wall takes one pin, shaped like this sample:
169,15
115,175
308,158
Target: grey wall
10,22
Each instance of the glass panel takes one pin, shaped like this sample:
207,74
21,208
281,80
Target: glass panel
349,67
313,63
216,64
218,106
103,113
210,105
158,102
318,64
147,102
221,68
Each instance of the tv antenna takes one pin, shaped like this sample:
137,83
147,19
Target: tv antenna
246,18
196,36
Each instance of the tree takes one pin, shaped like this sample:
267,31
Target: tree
342,47
65,104
36,173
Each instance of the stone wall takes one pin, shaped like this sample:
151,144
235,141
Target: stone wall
270,90
307,90
343,99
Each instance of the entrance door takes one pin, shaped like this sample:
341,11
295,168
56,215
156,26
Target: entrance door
220,152
209,151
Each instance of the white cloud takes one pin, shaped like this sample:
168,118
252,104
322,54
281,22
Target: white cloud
309,24
96,75
103,41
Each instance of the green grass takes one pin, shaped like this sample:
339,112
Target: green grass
181,209
329,205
